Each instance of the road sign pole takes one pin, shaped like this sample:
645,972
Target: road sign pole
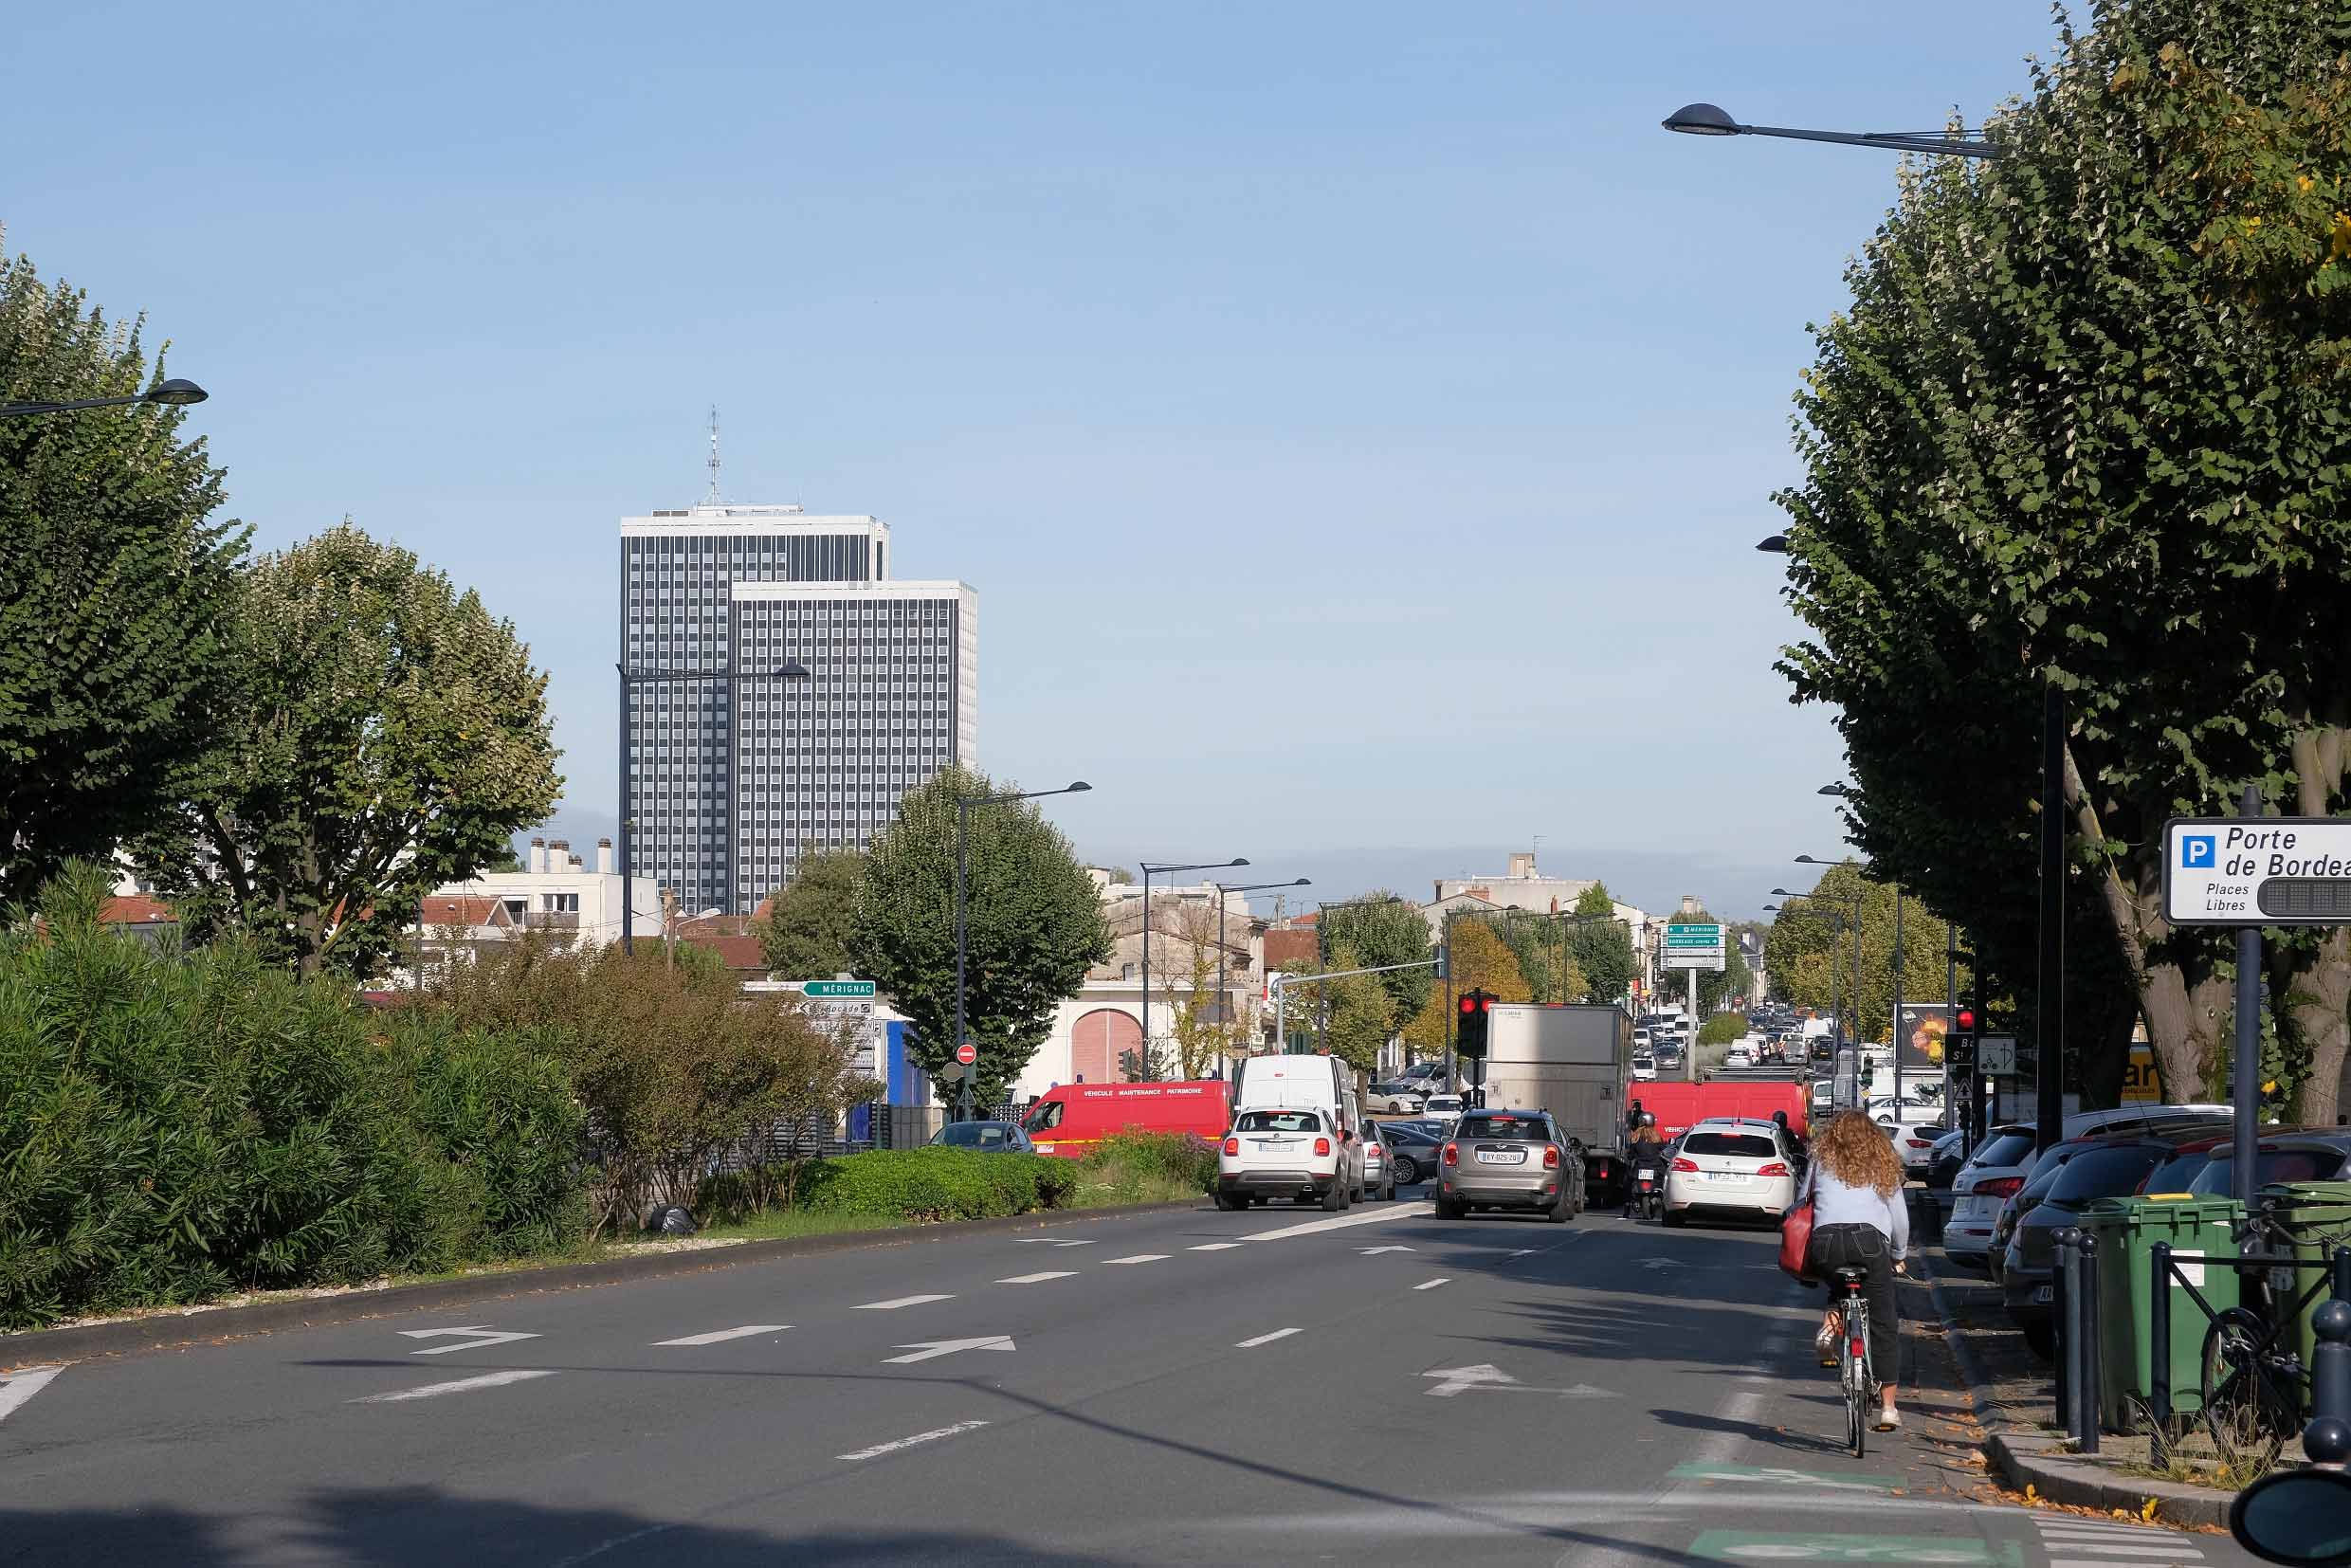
2247,1076
1690,1057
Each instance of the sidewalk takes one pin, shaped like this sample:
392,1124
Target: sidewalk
2013,1394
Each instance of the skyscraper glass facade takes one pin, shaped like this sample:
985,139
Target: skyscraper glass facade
678,574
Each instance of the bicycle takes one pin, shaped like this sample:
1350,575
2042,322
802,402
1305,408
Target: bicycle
1853,1368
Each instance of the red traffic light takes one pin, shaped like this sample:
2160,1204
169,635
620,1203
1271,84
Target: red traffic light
1486,1003
1469,1003
1967,1020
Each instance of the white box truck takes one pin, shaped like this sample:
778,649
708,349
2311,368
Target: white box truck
1572,1061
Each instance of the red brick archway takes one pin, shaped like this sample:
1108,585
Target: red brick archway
1096,1042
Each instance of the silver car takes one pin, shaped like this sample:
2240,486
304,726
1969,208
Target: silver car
1509,1159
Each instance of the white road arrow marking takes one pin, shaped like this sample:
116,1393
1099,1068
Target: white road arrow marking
719,1334
18,1386
481,1337
925,1350
1457,1378
1493,1380
1375,1251
488,1379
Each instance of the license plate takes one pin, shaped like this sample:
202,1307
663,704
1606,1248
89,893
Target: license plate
1502,1157
1724,1176
1647,1176
2044,1294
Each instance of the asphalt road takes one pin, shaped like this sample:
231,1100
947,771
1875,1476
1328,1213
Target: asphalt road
1274,1386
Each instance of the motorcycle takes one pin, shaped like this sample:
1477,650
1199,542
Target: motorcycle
1648,1190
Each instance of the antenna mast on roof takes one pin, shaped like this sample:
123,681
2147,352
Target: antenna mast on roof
712,498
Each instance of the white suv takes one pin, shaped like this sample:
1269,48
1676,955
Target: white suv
1279,1151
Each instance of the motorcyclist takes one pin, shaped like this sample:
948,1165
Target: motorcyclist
1632,1119
1643,1149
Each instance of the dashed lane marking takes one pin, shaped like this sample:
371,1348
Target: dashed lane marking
18,1386
1431,1284
881,1448
1315,1226
1214,1246
718,1336
1040,1279
1265,1339
480,1338
1140,1257
896,1303
1812,1546
462,1385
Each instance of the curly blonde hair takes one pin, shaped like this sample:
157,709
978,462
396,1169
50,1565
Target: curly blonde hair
1856,1150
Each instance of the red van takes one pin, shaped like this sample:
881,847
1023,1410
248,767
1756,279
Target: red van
1678,1106
1073,1118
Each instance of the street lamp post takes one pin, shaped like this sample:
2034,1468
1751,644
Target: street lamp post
1151,869
1708,121
630,681
1224,986
174,393
963,821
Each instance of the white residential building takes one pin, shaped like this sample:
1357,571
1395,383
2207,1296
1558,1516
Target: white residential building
554,892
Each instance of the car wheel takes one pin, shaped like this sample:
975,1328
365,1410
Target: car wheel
1675,1222
1407,1174
1336,1198
1230,1203
1448,1211
2041,1338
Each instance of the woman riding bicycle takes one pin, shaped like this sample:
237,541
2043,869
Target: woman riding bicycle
1859,1221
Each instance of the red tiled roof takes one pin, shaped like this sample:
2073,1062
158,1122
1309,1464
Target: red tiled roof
457,909
744,954
136,909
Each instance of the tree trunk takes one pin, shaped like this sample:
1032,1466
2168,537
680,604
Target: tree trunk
2319,1004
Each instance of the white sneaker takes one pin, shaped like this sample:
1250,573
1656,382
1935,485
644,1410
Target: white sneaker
1890,1420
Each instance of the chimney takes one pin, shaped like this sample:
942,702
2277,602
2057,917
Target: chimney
604,857
537,861
1522,867
559,855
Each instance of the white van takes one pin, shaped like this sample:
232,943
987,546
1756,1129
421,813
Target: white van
1306,1083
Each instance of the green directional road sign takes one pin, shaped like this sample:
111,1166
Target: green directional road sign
1693,945
1693,936
837,988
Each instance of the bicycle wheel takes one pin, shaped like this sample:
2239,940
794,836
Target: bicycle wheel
1856,1373
2251,1399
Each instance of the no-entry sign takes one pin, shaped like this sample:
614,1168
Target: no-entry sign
966,1054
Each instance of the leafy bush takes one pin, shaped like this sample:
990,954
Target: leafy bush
935,1184
1181,1160
674,1062
1721,1029
176,1128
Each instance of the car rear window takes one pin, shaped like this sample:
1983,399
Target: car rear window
1742,1145
2269,1166
2003,1149
1509,1129
1279,1122
2176,1175
2104,1172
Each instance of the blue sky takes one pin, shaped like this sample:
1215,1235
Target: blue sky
1356,417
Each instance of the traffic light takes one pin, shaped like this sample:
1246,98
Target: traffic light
1470,1027
1964,1024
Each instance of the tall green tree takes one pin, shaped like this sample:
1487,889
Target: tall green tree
1389,931
805,934
2083,421
386,735
1602,947
1034,926
113,581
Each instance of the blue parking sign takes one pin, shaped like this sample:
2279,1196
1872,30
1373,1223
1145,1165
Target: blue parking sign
2197,851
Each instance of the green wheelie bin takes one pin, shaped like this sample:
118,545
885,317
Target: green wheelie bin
2127,1230
2309,1219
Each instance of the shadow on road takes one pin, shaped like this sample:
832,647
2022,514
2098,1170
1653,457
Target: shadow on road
421,1524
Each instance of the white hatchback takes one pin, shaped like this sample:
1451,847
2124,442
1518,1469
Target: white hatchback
1743,1170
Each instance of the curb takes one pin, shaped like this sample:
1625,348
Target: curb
198,1324
2023,1457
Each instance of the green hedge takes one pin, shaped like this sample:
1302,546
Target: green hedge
934,1184
1186,1160
176,1128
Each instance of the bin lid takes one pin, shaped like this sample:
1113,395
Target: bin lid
2164,1211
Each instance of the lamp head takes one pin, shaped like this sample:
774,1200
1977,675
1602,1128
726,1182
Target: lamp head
174,391
1077,786
1701,120
1772,544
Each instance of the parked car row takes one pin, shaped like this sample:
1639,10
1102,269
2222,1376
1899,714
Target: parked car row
2009,1200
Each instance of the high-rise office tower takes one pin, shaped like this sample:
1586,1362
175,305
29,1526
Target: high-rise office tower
728,779
892,697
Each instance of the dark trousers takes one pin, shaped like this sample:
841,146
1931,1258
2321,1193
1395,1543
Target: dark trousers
1863,1247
